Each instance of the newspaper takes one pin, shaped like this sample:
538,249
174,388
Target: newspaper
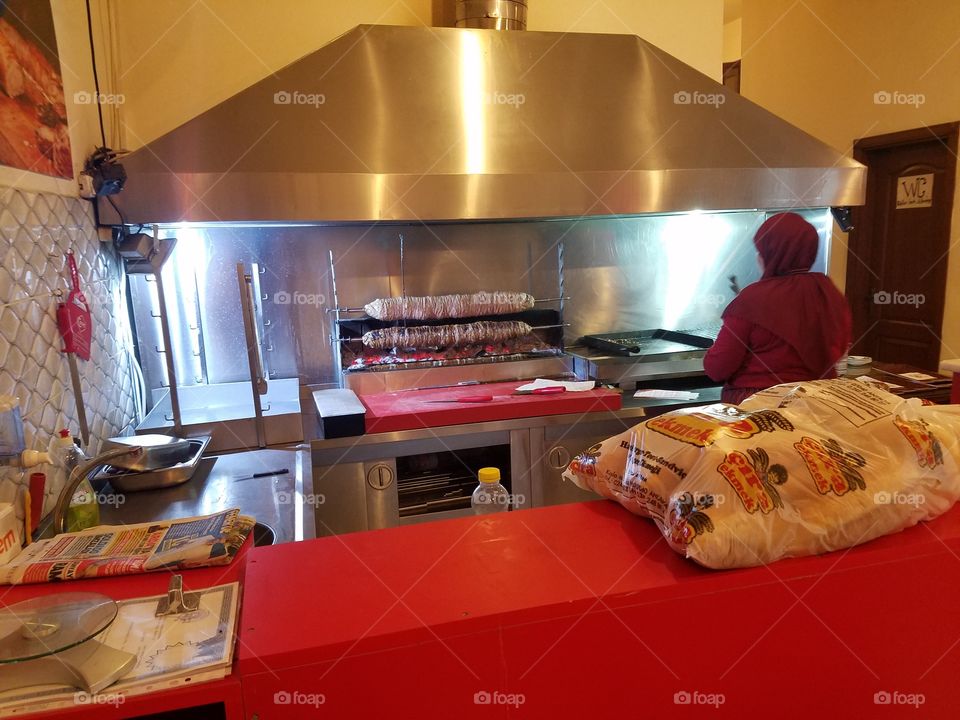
130,549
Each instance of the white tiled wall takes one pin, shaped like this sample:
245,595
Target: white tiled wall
36,231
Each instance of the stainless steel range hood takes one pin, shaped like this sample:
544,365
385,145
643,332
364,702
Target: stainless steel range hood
417,124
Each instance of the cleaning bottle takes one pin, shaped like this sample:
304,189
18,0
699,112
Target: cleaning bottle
490,496
84,512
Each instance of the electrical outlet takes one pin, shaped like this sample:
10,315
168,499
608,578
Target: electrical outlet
87,190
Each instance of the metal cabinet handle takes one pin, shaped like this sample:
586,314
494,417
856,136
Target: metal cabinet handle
380,477
558,458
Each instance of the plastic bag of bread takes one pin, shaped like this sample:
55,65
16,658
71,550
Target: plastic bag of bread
799,469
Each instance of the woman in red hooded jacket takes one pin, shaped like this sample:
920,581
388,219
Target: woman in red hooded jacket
790,325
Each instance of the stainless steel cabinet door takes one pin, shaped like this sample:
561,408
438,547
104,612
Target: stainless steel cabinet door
356,496
553,447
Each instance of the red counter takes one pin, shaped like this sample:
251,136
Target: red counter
568,611
583,610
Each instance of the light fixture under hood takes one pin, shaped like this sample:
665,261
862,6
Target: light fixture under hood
411,124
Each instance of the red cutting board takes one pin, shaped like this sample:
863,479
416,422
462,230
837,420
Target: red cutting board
410,410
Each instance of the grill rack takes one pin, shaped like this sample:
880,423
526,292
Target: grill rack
348,331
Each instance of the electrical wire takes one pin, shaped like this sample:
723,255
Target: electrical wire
123,220
124,331
96,80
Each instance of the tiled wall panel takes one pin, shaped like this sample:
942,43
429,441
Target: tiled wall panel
36,231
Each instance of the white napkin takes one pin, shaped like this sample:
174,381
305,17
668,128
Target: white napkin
667,394
571,386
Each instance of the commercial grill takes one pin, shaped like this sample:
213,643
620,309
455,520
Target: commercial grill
632,357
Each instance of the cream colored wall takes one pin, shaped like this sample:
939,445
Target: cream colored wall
732,33
691,30
818,64
177,58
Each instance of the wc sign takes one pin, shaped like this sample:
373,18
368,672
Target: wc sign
915,191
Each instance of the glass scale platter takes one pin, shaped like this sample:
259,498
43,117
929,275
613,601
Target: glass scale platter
51,640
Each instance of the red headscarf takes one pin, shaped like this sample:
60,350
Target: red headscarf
803,308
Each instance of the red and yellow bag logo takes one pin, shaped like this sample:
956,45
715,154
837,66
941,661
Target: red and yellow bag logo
831,467
924,442
586,462
687,519
754,480
703,427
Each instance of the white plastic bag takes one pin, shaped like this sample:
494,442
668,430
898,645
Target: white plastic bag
798,469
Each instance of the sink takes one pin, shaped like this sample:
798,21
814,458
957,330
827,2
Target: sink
263,535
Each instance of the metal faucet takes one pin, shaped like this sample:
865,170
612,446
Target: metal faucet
76,477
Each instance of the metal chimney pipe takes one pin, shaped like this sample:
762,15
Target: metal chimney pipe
492,14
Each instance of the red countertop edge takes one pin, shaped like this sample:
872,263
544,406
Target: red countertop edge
418,409
226,690
537,565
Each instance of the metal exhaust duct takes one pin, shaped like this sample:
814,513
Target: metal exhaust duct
492,14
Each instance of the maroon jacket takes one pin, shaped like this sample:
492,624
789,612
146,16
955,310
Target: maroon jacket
750,358
789,326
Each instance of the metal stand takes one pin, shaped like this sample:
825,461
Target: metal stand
168,357
335,330
249,302
177,602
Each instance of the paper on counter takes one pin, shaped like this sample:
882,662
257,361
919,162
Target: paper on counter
874,381
9,533
667,394
922,377
571,386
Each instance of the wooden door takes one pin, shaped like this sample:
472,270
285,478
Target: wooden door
897,260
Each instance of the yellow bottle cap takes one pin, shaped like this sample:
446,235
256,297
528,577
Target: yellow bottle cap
489,475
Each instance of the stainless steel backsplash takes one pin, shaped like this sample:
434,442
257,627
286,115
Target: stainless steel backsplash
667,271
632,273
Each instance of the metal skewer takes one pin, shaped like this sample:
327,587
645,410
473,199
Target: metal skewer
537,327
360,309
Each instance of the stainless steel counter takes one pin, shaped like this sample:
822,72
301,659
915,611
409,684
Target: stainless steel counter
277,501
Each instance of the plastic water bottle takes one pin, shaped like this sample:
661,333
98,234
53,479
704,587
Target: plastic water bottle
84,512
490,496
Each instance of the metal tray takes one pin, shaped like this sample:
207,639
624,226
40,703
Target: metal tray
130,481
647,342
158,452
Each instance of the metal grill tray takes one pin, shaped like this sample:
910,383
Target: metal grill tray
647,342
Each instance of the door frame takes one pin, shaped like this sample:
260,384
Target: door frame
949,136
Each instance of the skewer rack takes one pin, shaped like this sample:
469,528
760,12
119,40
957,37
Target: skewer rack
350,323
